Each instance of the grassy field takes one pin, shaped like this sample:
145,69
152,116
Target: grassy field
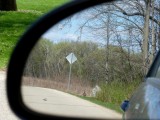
13,24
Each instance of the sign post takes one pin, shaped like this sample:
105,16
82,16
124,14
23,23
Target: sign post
71,59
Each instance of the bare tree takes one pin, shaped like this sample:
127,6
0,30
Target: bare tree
146,37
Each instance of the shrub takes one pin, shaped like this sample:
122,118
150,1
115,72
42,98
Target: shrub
115,92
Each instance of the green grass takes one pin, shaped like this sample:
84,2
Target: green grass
104,104
41,6
116,92
13,24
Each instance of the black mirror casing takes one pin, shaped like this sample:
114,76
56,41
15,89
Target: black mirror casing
23,49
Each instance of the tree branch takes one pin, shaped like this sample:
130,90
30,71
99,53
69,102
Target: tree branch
136,14
128,14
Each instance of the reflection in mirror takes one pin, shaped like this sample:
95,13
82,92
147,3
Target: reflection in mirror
99,55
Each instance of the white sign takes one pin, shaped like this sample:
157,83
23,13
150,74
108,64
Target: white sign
71,58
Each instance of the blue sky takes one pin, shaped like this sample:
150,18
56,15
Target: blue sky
69,31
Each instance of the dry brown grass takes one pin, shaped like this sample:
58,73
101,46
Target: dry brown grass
60,83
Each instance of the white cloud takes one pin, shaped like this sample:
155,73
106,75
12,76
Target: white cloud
57,36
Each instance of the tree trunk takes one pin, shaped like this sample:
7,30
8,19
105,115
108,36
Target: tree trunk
8,5
153,36
146,36
107,43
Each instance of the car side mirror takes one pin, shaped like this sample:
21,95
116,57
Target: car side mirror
23,49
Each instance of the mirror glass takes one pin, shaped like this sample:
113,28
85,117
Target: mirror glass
87,64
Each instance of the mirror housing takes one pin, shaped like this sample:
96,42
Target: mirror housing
25,44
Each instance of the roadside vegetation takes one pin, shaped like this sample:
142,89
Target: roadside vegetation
14,23
48,62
